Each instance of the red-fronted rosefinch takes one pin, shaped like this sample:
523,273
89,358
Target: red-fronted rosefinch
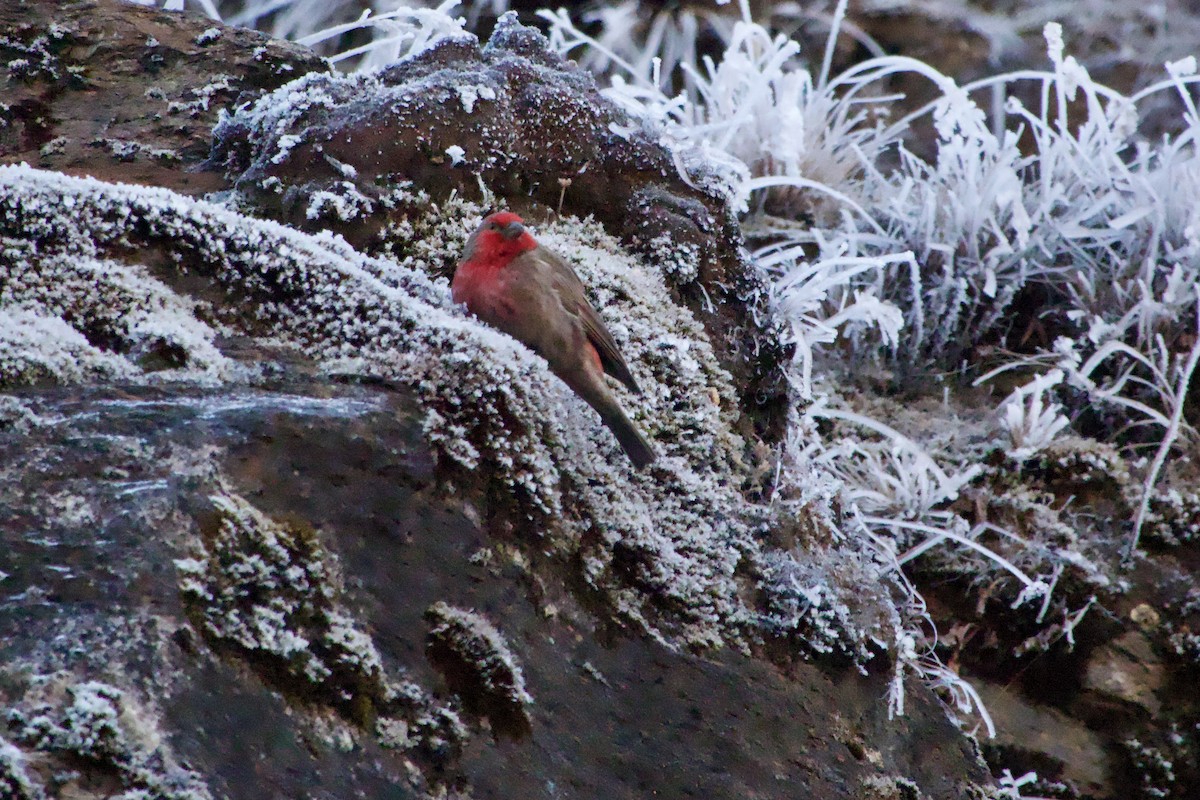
511,282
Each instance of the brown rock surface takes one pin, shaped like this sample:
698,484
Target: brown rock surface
100,89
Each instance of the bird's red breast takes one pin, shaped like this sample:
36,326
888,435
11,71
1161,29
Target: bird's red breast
500,238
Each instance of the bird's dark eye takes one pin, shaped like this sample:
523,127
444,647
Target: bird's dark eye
493,226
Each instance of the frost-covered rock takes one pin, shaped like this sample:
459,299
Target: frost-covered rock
661,546
307,445
514,120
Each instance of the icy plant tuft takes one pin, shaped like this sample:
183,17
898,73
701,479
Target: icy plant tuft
1030,418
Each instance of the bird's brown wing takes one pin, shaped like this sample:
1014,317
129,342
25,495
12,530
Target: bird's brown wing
570,290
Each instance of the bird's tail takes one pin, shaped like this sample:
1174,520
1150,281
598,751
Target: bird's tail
630,438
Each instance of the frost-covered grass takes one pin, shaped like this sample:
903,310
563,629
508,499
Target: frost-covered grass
1049,242
355,34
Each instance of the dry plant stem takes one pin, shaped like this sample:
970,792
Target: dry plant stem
1169,437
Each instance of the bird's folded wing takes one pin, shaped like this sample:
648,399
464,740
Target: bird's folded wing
610,357
574,299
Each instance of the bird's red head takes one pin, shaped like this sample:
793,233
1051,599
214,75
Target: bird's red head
498,239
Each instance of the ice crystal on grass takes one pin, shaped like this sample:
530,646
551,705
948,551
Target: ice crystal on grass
826,300
910,504
349,34
1087,221
396,33
775,136
985,220
1031,420
1087,194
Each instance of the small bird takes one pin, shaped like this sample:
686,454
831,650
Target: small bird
509,281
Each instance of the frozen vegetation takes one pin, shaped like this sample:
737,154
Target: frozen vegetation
1045,259
929,268
93,721
464,642
271,592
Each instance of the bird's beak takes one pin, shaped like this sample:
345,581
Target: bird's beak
513,230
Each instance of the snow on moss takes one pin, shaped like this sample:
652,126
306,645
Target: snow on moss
667,349
100,724
313,95
659,548
837,601
272,592
429,235
477,659
1174,516
73,317
342,202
